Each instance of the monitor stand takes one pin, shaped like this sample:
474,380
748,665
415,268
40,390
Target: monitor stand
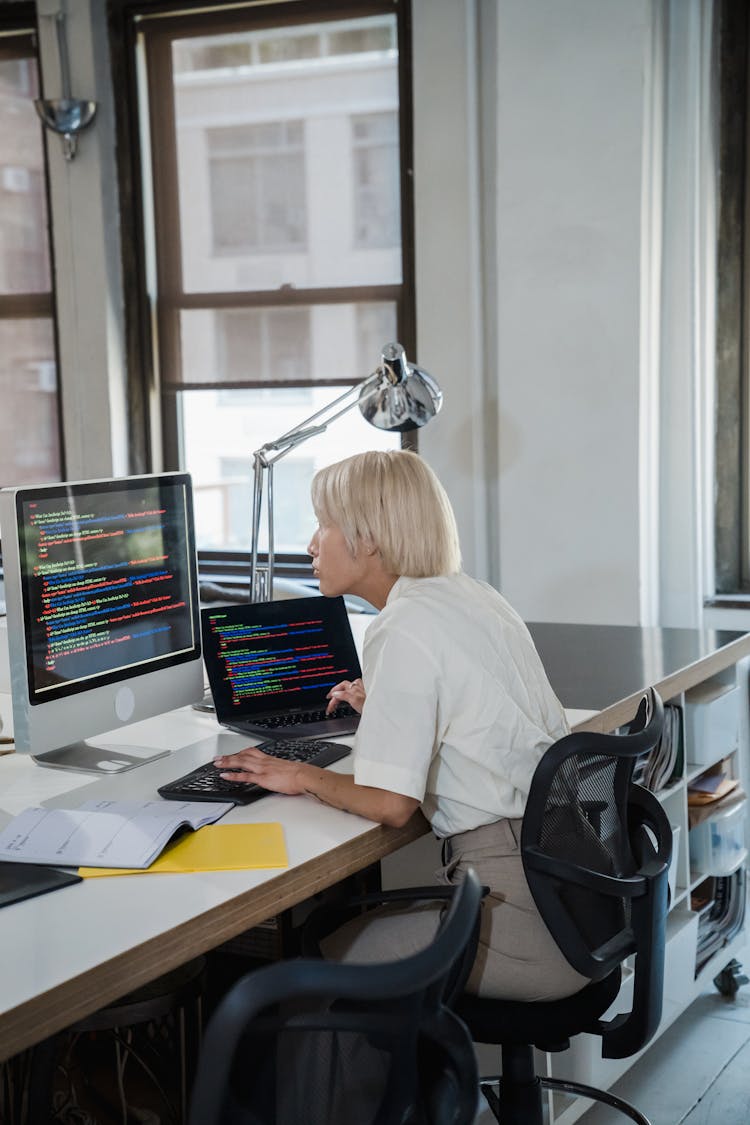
206,703
88,757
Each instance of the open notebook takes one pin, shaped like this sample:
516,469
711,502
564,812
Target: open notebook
271,665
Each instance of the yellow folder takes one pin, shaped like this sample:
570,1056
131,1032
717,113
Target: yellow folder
215,847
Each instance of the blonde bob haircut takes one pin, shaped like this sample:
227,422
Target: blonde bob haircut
392,501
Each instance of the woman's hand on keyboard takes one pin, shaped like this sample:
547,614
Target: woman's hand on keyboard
348,691
332,788
252,765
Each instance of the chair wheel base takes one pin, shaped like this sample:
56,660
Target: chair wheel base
491,1098
561,1085
581,1090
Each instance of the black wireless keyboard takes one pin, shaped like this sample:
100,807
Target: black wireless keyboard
206,784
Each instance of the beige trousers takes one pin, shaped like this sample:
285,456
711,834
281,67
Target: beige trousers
517,958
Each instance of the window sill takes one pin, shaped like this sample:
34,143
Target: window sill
727,611
728,601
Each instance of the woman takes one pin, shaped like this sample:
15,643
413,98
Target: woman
456,713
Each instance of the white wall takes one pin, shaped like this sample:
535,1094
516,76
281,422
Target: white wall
568,120
539,141
448,233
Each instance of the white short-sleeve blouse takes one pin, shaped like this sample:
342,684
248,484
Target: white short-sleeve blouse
459,709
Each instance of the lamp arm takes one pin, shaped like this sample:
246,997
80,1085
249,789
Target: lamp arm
261,578
276,449
257,593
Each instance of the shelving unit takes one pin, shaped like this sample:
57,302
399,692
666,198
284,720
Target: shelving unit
716,729
712,700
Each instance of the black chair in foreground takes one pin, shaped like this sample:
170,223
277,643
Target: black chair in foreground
323,1043
596,849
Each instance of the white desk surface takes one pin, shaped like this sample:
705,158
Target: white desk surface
67,953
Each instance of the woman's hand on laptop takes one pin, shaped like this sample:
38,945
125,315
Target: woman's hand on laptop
348,691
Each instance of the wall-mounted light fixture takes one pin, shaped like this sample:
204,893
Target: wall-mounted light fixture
66,116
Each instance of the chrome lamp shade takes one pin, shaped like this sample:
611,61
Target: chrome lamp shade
399,396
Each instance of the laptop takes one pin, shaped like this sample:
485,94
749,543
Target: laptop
271,665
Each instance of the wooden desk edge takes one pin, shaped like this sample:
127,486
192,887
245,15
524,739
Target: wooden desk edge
72,1000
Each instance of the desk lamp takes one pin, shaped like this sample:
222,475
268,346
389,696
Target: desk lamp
396,396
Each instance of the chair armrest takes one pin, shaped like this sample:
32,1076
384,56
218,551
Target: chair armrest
627,1033
615,886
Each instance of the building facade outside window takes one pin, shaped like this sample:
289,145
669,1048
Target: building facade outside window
377,200
257,186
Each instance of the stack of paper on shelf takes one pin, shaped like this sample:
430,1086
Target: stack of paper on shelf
658,768
712,790
718,925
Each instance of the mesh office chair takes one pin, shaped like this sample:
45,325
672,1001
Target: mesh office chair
324,1042
596,850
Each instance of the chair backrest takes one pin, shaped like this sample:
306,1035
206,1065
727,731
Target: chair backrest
325,1042
596,851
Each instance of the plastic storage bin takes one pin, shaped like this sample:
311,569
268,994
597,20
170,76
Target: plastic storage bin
717,846
712,723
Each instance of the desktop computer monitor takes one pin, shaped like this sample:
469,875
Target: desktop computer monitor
102,612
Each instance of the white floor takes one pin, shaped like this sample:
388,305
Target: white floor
697,1073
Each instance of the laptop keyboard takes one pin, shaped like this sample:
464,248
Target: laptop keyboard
206,784
342,711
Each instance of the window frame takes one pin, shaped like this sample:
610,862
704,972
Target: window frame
153,336
732,361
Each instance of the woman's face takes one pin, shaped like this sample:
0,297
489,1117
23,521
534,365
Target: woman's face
337,569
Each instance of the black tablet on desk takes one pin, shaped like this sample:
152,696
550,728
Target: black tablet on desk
25,880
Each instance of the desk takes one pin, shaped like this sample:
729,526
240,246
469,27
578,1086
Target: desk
68,953
606,668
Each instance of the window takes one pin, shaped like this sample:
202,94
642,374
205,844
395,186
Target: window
274,342
29,420
278,148
257,178
293,523
377,221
